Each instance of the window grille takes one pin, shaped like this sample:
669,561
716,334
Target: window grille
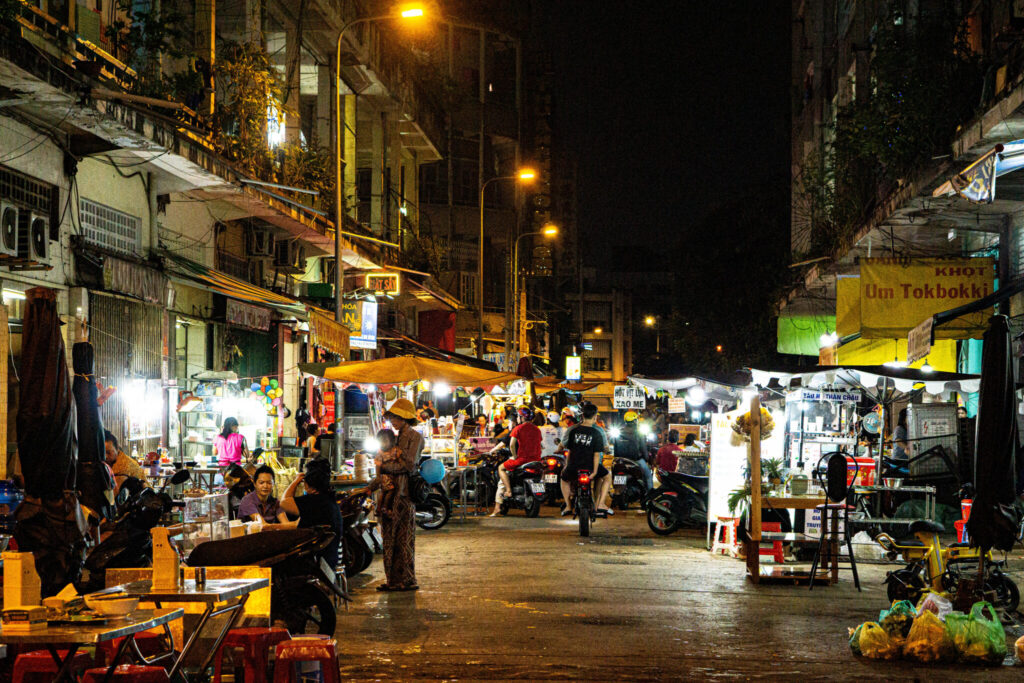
109,228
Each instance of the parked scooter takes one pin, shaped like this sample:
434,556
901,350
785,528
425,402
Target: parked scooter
528,489
302,585
628,483
129,543
435,512
681,500
362,537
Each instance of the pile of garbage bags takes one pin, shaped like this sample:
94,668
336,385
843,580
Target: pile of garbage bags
933,632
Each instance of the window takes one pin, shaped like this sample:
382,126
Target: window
109,228
467,289
597,314
599,357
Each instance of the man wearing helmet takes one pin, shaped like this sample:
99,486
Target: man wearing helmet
586,444
525,444
551,434
631,445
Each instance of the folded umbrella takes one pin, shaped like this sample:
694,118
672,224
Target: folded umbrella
95,485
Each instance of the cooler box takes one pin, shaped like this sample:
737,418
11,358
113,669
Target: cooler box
866,474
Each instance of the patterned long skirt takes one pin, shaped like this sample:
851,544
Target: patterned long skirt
399,532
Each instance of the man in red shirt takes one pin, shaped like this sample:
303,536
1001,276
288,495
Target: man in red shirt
667,457
525,444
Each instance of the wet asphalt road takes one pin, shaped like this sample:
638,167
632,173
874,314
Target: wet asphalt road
528,599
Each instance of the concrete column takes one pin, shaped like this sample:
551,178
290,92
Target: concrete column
350,152
379,156
394,158
252,12
293,73
324,103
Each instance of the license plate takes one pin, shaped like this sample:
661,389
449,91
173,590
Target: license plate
550,478
619,479
537,486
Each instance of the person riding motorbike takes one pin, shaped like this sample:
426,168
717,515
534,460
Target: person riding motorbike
551,434
632,445
525,445
586,444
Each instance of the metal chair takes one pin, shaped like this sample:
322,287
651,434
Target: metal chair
832,473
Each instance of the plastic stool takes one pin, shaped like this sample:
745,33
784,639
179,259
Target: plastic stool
298,650
41,662
150,644
128,673
725,536
776,551
257,643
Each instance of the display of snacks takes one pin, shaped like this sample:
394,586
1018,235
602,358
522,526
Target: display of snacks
205,519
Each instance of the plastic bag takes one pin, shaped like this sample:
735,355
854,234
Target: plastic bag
937,603
977,638
855,640
928,640
1018,647
865,547
898,619
876,643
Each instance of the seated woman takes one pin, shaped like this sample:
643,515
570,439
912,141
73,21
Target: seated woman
318,507
260,505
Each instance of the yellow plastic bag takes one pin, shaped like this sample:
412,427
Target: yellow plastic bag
928,640
877,643
1019,647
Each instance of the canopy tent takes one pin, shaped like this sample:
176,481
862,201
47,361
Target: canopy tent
715,391
546,385
405,369
877,378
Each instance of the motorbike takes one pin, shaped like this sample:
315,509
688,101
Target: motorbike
129,543
528,489
553,465
682,499
362,537
435,512
302,585
628,483
583,507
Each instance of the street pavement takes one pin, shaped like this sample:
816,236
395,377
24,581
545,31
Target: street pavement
529,599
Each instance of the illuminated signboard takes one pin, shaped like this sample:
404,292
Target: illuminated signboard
383,283
573,368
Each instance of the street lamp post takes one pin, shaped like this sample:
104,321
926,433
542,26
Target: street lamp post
651,321
339,204
549,230
524,175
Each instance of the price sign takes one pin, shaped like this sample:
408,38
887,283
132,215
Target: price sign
629,398
677,406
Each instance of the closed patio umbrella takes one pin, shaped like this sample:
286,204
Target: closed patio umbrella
95,485
992,523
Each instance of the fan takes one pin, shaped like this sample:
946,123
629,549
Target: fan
8,229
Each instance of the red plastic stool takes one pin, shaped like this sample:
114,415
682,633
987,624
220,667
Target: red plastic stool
257,643
41,662
150,644
128,673
298,650
776,551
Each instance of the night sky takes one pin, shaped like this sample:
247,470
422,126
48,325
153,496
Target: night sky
673,108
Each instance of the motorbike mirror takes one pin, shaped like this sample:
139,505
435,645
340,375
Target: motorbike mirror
179,477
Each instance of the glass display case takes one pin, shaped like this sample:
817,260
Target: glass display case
819,421
204,518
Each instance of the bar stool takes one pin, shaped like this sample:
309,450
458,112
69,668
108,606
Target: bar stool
776,552
128,673
149,643
256,643
725,536
832,472
299,650
39,664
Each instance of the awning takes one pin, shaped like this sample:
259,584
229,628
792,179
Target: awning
713,390
327,333
222,283
406,345
406,369
547,385
428,294
869,377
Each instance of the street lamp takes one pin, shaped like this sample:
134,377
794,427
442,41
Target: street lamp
549,230
524,175
651,321
406,12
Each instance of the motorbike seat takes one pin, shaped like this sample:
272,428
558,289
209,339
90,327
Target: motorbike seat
248,550
910,542
926,526
699,483
522,469
959,544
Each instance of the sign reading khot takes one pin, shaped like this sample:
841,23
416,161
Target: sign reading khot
897,294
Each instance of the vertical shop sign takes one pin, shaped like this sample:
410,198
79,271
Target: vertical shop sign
360,317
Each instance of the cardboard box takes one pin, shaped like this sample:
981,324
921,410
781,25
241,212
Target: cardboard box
21,582
24,619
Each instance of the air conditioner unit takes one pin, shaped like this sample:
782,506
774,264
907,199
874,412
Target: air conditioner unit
261,242
8,229
290,257
33,236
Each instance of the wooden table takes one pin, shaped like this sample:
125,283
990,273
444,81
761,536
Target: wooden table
73,636
215,591
755,572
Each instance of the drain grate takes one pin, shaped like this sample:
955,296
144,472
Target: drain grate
620,540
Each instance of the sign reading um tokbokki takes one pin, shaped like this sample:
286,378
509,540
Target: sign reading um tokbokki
897,294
